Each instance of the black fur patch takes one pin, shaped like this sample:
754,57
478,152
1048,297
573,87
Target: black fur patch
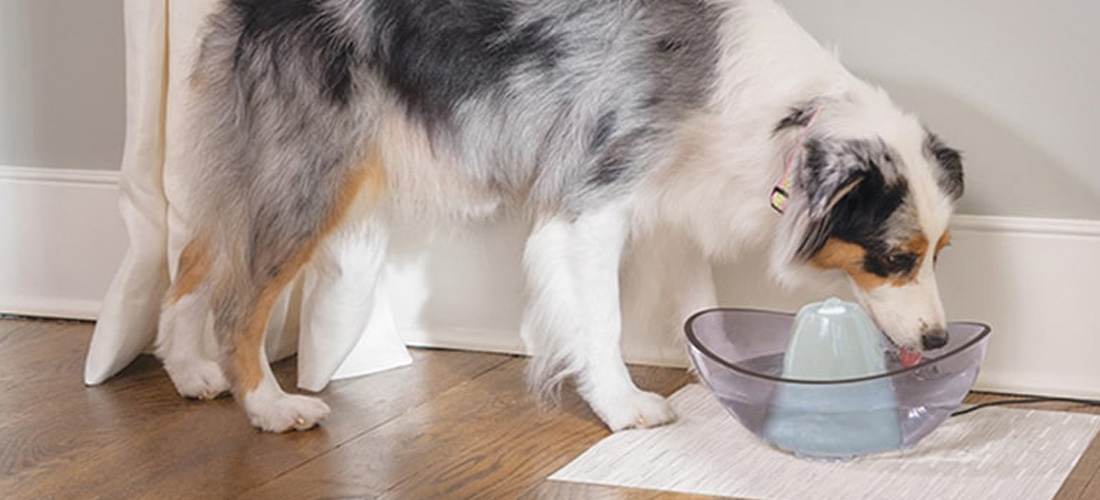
271,26
798,117
600,136
832,165
434,54
684,52
609,169
674,75
669,45
859,216
949,161
615,162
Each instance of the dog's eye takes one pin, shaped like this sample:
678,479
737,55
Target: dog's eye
901,262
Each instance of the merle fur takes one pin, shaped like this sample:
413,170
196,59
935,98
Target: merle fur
435,54
949,160
289,89
798,117
831,167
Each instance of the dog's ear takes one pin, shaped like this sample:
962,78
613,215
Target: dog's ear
831,170
949,168
845,183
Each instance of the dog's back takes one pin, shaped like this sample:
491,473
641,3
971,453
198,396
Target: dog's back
557,101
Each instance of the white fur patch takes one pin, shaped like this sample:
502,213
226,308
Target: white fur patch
273,410
185,343
573,322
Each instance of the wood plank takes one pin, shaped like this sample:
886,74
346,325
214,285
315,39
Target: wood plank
49,347
1083,482
486,438
9,324
135,438
36,359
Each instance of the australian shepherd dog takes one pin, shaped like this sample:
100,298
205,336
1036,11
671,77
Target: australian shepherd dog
719,124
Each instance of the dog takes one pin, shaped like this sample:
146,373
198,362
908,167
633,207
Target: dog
720,124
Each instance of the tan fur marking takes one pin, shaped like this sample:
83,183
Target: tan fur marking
194,265
246,356
847,257
944,241
918,245
375,179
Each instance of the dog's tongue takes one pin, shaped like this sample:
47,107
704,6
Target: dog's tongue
909,358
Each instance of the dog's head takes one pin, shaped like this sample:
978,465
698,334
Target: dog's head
873,198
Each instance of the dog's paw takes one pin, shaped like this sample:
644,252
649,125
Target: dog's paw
203,379
284,412
637,410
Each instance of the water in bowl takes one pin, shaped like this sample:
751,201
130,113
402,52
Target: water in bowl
841,421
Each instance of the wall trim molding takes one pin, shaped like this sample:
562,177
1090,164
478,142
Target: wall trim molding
1026,225
1032,279
67,176
61,239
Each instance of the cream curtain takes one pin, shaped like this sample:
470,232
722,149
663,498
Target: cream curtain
327,317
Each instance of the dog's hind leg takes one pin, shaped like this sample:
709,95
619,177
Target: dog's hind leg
573,322
283,111
278,253
185,340
254,385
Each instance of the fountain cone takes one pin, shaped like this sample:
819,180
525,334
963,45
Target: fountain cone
834,340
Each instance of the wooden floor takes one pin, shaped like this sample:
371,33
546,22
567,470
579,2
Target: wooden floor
452,425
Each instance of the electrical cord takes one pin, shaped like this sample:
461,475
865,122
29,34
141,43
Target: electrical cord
1003,402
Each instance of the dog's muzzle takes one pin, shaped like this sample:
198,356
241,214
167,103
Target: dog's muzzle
933,338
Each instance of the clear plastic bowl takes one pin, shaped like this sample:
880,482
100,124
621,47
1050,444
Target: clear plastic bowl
739,356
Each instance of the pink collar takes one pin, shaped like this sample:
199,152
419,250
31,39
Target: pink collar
781,193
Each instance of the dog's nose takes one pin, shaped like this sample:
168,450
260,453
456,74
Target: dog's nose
934,338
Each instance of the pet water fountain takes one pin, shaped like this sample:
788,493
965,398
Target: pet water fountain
826,384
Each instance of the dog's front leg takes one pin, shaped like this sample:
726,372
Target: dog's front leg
573,321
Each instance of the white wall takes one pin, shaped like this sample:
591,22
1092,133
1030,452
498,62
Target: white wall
1014,83
1011,82
62,97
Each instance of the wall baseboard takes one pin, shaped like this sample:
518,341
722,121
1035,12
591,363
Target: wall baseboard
61,240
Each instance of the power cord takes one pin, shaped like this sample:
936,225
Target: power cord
1044,399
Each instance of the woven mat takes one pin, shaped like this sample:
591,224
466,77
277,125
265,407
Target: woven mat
991,454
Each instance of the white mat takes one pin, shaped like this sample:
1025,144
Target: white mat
991,454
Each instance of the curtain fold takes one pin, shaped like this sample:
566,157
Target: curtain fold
336,316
